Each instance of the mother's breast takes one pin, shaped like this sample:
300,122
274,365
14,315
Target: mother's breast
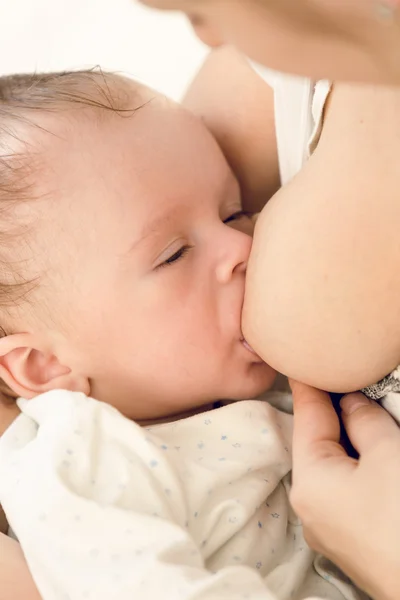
323,288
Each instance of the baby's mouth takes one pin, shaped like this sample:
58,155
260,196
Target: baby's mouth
246,344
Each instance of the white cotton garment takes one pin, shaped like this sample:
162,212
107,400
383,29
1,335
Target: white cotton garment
299,105
195,509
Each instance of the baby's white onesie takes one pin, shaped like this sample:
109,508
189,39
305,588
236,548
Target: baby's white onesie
193,509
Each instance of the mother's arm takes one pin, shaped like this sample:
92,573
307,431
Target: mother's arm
238,108
16,582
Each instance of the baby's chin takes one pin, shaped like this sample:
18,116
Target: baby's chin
261,378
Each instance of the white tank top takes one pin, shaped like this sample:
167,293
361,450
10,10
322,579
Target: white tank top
299,110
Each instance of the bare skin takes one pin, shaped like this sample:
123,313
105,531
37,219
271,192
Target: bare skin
329,243
238,108
347,40
16,580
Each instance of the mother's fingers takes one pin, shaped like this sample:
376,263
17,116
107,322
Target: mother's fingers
316,427
368,425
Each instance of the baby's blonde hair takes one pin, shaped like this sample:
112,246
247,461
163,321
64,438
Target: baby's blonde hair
24,100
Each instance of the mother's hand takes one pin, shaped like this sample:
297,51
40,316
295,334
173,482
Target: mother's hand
350,508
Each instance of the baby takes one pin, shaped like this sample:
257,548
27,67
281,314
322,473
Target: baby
125,249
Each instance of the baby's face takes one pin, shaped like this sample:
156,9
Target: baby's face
144,248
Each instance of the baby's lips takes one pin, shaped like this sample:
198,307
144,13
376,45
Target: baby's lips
249,348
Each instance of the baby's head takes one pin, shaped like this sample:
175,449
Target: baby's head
123,249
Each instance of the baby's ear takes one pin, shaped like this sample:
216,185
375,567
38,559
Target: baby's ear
29,368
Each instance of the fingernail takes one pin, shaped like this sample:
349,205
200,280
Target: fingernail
352,402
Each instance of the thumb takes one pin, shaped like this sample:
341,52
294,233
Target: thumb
316,432
367,424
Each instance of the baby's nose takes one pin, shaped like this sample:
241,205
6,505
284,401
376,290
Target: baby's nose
234,256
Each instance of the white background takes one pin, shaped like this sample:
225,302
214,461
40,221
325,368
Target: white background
156,48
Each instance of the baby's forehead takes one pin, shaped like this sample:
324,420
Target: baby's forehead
119,136
52,126
78,122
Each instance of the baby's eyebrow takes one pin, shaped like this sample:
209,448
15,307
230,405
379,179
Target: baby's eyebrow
155,226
